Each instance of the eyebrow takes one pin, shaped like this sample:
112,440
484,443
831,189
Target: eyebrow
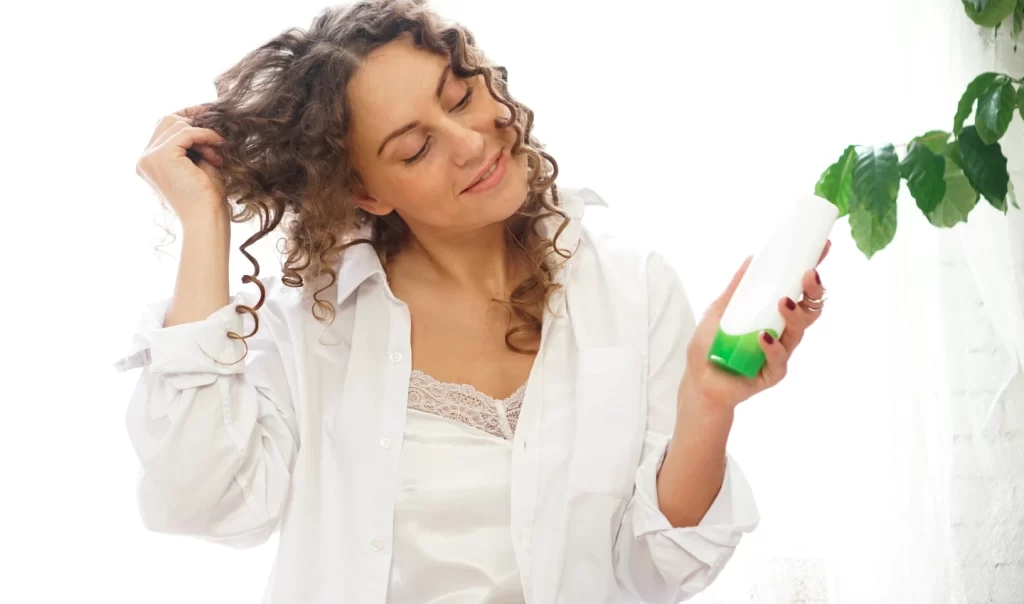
413,125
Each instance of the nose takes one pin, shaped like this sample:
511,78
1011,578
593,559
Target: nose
467,145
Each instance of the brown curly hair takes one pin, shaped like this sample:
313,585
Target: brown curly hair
283,113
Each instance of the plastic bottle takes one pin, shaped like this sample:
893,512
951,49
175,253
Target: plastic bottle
776,271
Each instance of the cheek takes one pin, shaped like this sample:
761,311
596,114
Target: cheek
425,188
522,166
518,173
425,182
504,112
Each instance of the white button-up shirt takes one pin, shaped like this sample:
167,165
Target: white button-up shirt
305,435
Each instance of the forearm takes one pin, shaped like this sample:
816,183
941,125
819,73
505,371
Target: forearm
202,282
694,467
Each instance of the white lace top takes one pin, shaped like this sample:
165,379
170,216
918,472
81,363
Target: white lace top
465,404
452,537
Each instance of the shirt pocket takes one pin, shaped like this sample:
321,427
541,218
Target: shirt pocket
610,421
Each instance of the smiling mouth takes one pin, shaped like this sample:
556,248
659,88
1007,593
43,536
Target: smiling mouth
490,170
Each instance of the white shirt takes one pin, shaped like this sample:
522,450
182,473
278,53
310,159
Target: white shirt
306,435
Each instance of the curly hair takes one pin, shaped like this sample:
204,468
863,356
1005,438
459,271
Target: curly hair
284,115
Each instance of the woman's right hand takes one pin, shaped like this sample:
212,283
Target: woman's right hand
194,190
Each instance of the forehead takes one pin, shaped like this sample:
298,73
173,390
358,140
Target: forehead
392,82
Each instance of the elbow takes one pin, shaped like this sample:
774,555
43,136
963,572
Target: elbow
216,459
654,574
661,563
229,521
189,461
218,495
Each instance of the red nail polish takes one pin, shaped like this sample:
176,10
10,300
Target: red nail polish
817,277
790,304
768,337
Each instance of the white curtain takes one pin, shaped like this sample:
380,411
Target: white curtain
884,465
991,425
904,486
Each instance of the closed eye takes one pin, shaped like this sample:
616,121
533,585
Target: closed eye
465,99
462,104
423,150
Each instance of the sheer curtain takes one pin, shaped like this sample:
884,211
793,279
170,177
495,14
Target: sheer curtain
694,120
917,358
992,424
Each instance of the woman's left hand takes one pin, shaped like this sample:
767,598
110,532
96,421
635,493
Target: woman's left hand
706,384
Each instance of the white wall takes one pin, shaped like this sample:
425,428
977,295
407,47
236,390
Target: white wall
987,511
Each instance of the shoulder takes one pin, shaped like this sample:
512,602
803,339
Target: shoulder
626,262
612,265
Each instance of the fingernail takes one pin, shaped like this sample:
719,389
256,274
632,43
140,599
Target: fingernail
790,304
767,338
817,277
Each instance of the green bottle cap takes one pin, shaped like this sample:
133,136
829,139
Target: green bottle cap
739,354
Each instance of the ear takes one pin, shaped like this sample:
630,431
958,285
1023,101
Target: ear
368,203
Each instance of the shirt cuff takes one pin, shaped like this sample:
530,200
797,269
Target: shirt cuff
188,348
732,513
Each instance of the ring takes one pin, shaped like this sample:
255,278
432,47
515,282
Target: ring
813,304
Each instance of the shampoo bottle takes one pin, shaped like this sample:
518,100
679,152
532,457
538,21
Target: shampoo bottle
776,271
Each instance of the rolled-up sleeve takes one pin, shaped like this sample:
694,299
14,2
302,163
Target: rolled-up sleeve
212,422
189,353
654,561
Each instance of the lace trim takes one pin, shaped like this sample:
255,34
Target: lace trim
465,404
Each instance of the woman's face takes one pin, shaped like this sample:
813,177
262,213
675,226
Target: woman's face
422,139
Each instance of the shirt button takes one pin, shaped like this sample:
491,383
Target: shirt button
396,357
385,443
377,544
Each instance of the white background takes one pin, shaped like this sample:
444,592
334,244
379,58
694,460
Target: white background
694,120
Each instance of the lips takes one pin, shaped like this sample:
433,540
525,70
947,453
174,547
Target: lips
485,170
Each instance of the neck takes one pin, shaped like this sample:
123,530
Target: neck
476,261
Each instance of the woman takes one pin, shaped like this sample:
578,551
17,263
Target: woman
454,392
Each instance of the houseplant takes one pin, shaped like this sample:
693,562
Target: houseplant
947,172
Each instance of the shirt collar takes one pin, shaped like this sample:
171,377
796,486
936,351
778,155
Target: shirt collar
360,262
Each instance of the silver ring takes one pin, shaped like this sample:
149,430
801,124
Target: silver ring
814,304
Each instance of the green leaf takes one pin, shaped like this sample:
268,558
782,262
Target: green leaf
953,153
1020,100
991,12
958,200
876,178
924,172
935,140
985,167
1011,194
974,91
1018,21
876,184
872,232
836,182
995,110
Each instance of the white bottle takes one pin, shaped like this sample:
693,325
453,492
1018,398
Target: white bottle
775,272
